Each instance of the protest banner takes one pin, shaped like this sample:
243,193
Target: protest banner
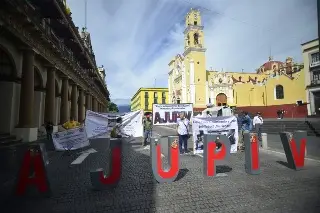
167,114
71,139
96,124
214,125
133,126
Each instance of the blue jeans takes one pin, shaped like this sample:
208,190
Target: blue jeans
147,134
183,139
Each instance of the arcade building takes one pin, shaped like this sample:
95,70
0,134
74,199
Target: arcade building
48,70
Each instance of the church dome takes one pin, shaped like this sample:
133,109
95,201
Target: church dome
270,65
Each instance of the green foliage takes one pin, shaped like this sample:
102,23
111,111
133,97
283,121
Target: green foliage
113,107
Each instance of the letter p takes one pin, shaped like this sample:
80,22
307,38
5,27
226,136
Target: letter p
212,152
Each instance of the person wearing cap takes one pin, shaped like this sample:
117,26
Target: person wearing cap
147,127
257,123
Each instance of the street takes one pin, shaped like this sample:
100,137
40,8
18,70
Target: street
276,189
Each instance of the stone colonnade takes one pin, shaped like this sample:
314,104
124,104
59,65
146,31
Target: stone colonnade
81,100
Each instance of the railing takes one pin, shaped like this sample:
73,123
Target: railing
43,26
315,63
315,82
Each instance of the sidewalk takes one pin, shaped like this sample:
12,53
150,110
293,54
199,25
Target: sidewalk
313,145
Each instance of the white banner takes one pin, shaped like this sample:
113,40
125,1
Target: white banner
132,126
214,125
96,124
131,123
167,114
70,139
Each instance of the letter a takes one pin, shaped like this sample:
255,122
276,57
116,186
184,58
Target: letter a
33,157
294,147
169,175
210,153
252,160
98,179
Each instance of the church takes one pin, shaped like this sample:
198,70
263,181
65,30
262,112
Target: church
274,86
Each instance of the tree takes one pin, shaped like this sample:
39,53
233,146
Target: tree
113,107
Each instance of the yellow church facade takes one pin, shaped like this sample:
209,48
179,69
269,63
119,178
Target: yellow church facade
274,86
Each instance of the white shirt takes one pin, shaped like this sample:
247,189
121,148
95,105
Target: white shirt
257,120
183,126
226,111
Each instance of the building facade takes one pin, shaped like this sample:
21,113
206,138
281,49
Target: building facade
311,59
48,70
144,98
275,85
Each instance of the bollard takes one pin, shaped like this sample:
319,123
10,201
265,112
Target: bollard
99,179
33,160
252,161
210,154
294,146
165,175
264,137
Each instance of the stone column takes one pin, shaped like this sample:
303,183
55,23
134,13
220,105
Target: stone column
81,105
74,102
64,112
95,104
50,110
27,90
87,101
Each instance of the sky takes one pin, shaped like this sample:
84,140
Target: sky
136,39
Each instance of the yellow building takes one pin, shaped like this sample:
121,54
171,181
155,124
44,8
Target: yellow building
145,97
275,85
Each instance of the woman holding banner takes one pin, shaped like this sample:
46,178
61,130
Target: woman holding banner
183,132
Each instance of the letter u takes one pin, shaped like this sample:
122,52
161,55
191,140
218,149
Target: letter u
160,174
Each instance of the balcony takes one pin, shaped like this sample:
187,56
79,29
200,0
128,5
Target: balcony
314,64
315,83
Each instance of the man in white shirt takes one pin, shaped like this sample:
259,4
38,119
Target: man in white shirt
257,123
183,132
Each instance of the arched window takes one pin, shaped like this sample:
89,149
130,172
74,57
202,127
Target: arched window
279,93
196,38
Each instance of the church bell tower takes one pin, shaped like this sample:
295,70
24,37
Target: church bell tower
194,53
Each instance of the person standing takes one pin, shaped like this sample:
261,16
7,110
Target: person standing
147,127
209,114
49,130
257,123
183,132
246,128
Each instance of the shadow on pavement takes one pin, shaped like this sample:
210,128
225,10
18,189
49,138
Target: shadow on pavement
181,174
71,186
223,169
283,163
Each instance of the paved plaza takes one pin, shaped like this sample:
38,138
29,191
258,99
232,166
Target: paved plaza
277,189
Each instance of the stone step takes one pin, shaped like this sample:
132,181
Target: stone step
6,138
10,143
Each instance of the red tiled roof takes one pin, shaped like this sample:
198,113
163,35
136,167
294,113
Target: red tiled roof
268,65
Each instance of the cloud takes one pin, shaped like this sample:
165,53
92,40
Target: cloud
135,40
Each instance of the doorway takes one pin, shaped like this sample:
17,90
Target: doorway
316,96
221,99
